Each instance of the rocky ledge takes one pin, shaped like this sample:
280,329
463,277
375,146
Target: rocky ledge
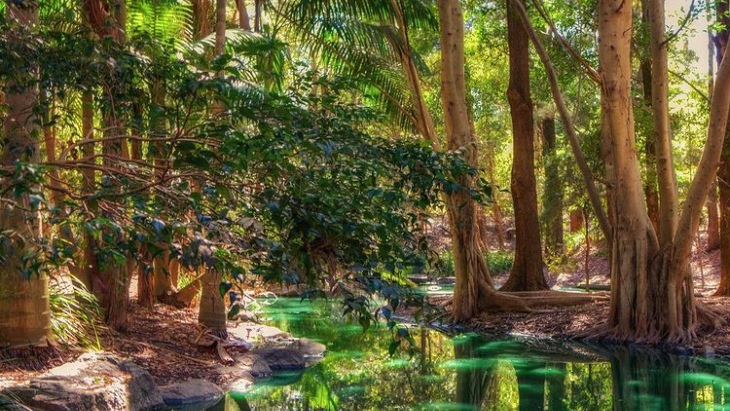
105,382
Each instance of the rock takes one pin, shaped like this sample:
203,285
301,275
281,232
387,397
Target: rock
7,404
252,332
308,348
282,359
241,384
94,382
197,392
254,364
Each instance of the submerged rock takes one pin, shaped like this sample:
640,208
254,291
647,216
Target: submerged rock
94,382
283,359
308,348
197,392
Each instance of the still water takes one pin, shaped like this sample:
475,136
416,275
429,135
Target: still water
470,372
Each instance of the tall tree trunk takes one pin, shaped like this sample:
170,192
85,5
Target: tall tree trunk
90,263
24,304
713,220
212,311
496,211
243,21
201,25
163,277
257,22
634,239
527,274
474,290
723,174
113,287
668,197
552,199
652,295
650,180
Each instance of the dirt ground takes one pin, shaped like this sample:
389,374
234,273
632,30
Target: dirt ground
159,340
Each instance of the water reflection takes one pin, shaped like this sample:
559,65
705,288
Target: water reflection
469,372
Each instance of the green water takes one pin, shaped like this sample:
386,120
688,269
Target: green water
476,373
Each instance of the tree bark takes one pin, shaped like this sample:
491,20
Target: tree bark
212,312
112,289
258,23
243,20
24,302
713,220
634,240
668,197
526,274
552,199
496,211
650,180
163,278
723,174
565,116
474,291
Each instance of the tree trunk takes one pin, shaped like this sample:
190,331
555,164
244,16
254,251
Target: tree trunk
650,180
668,197
145,282
212,306
633,278
163,278
243,21
212,311
201,25
257,22
496,211
552,198
24,304
90,263
713,220
474,290
723,174
576,221
112,289
652,295
526,274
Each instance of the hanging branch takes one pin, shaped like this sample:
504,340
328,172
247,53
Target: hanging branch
681,26
592,73
585,171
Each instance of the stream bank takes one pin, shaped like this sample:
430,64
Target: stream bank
158,364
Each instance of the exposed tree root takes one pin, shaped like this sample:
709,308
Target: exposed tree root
708,320
526,301
185,296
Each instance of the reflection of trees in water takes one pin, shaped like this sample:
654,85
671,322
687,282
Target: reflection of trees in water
490,375
617,379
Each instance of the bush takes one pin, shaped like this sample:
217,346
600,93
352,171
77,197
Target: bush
75,314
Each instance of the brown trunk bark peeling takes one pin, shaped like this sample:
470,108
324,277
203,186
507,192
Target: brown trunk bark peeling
527,274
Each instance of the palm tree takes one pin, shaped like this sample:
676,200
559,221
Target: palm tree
368,40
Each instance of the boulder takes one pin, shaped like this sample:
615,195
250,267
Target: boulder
253,364
241,384
282,359
308,348
197,392
94,382
8,404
